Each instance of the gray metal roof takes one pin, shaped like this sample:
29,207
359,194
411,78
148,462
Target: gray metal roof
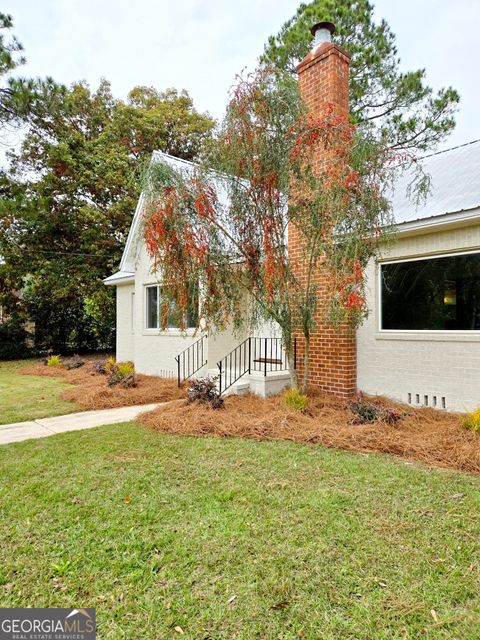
454,187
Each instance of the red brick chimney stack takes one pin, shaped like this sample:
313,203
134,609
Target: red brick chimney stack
323,77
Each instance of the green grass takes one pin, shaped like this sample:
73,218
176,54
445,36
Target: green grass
237,539
29,397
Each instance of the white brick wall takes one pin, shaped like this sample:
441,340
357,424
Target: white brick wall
125,334
441,364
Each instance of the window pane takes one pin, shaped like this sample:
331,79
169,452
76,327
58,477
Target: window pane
432,294
152,308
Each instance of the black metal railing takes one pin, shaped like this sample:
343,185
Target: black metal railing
265,355
234,365
268,355
191,359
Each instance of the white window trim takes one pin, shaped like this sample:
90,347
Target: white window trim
420,334
158,331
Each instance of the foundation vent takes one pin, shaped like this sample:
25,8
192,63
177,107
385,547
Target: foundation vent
426,400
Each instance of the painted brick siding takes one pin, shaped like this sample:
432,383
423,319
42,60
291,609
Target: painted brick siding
324,78
441,364
125,334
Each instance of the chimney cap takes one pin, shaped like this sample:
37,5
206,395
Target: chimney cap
323,25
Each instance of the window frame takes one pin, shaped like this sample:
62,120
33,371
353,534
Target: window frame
430,256
158,329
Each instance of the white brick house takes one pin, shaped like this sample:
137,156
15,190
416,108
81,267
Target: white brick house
421,341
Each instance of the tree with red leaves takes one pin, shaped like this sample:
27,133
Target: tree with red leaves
227,229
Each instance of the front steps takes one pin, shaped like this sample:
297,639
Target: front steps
257,383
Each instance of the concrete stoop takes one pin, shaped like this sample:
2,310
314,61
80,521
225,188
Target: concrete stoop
257,383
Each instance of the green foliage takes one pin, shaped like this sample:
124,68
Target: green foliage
19,97
54,361
296,400
123,374
472,420
13,339
67,203
399,105
366,411
264,150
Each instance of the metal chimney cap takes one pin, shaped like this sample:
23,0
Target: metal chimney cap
323,25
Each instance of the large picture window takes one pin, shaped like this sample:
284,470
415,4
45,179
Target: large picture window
153,303
436,294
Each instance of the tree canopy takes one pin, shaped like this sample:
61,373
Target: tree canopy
266,149
399,106
70,193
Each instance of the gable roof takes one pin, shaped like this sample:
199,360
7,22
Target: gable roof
454,187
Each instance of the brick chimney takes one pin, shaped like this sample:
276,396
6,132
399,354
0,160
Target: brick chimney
323,77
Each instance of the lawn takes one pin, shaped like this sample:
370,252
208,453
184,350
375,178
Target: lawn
170,536
30,397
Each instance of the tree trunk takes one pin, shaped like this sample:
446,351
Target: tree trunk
291,369
306,359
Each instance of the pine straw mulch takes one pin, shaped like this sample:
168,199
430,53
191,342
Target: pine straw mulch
91,390
432,437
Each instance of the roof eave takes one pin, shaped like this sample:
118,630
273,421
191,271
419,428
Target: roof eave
435,223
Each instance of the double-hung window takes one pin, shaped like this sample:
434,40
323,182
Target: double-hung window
154,310
431,294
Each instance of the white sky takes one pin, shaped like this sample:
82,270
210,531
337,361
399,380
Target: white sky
200,45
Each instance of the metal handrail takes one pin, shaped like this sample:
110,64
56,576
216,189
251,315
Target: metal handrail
230,366
253,354
191,359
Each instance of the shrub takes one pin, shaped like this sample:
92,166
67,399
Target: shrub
205,391
472,420
54,361
365,412
13,340
390,416
104,366
296,400
75,362
123,374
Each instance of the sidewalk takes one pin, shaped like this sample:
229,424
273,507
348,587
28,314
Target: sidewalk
44,427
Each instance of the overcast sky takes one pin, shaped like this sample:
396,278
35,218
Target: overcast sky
200,45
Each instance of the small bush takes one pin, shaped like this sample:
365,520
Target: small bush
75,362
366,412
390,416
123,374
296,400
205,391
104,366
472,420
13,340
54,361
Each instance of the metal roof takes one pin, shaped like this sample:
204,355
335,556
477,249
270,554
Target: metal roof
119,276
454,185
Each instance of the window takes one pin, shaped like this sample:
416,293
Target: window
436,294
154,310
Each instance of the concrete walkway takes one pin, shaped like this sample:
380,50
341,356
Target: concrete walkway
44,427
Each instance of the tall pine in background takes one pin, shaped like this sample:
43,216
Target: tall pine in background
398,106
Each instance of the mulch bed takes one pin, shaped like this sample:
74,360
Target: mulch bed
432,437
91,390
